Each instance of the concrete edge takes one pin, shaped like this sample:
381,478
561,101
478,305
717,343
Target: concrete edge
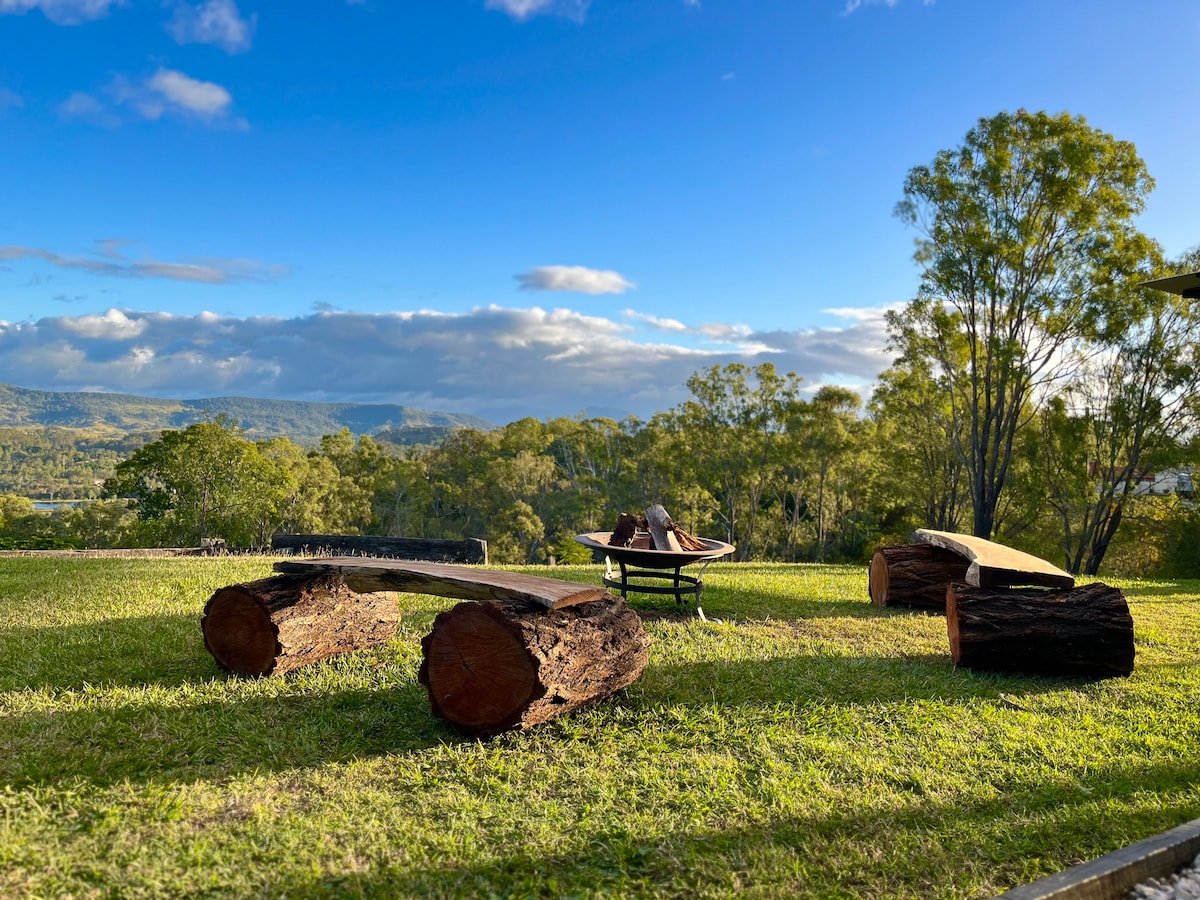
1115,874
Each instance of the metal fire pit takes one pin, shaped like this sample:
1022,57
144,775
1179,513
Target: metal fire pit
641,567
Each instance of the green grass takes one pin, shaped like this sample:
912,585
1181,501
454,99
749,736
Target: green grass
807,743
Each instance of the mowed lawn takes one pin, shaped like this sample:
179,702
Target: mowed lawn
801,742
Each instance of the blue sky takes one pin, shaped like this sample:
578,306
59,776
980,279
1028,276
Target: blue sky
516,207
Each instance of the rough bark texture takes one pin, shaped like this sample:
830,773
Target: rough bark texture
468,551
276,624
914,576
492,667
1085,631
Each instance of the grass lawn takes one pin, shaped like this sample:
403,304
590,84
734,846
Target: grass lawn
808,743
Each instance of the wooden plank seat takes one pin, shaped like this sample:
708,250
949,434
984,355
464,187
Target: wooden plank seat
445,580
994,565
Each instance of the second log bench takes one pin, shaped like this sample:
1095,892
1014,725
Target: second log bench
522,650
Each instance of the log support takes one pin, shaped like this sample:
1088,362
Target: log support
495,666
276,624
914,576
1084,632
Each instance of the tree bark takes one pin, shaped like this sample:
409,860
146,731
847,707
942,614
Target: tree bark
279,623
914,576
1083,632
500,665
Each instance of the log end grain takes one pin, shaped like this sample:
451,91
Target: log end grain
494,666
480,674
238,632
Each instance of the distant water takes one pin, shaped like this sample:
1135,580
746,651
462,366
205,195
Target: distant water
51,505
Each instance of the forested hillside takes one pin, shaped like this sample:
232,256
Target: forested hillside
305,422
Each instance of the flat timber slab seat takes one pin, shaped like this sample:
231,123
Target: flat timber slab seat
994,565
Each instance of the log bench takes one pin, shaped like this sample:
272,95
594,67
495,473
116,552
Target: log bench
521,650
1006,610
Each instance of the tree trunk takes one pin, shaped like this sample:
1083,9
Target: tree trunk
501,665
914,576
279,623
1082,632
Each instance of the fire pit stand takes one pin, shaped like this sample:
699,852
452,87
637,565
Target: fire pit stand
641,568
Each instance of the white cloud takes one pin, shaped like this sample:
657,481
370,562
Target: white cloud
524,9
81,105
215,22
112,263
852,5
61,12
580,279
202,98
496,362
114,325
167,91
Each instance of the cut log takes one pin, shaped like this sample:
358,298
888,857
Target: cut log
1084,632
492,667
661,529
441,580
914,576
994,565
279,623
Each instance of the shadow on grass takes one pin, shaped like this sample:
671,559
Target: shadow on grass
214,739
919,847
833,680
164,650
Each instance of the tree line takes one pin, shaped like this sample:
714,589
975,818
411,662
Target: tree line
1034,383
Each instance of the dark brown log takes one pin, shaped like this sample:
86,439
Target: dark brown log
994,565
440,580
468,551
914,576
276,624
1084,632
491,667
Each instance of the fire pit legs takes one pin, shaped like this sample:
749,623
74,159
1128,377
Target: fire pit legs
680,584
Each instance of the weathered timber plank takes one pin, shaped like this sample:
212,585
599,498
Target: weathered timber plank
994,565
443,580
468,550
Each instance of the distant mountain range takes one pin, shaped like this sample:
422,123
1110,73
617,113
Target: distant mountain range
302,421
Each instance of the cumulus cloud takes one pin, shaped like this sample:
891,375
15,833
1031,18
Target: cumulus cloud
496,362
201,98
216,22
579,279
62,12
167,91
112,263
524,9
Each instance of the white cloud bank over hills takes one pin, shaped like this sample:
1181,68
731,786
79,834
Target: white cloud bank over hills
494,362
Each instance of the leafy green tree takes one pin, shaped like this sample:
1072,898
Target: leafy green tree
916,442
730,440
1027,233
1129,411
203,482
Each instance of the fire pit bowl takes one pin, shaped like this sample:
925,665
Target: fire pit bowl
639,565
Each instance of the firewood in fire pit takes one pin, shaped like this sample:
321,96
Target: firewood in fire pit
626,530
